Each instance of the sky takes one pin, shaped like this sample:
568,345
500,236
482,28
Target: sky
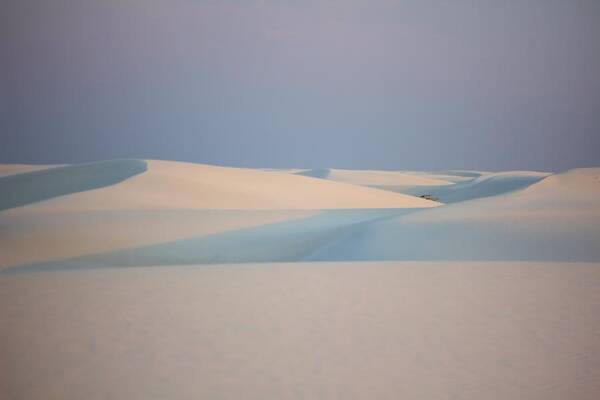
380,84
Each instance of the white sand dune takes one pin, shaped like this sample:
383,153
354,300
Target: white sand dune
169,184
575,191
13,169
453,176
294,239
304,331
557,219
387,180
170,201
485,185
35,186
447,186
553,220
67,234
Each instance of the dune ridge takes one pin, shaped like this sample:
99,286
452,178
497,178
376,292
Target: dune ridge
34,186
484,185
168,184
520,226
546,221
13,169
374,178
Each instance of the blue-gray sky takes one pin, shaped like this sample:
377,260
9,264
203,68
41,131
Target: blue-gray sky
392,84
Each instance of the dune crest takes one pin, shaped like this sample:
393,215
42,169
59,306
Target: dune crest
35,186
169,184
374,178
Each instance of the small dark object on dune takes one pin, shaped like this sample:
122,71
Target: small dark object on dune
428,197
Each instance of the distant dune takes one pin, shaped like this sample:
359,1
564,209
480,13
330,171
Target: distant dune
485,185
556,219
172,185
12,169
114,205
30,187
446,186
66,234
387,180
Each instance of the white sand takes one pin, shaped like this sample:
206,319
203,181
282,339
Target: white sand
375,177
38,235
556,219
485,185
575,192
169,184
12,169
449,176
173,201
304,331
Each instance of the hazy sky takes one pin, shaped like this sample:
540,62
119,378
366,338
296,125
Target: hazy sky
503,84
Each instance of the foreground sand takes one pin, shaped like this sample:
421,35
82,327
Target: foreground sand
304,331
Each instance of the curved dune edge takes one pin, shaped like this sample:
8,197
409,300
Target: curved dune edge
168,184
556,219
443,186
13,169
486,185
544,222
294,239
61,235
35,186
373,178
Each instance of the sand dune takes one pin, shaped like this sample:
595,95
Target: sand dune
485,185
169,184
67,234
548,221
387,180
304,331
447,186
291,240
168,202
557,219
545,222
13,169
453,176
31,187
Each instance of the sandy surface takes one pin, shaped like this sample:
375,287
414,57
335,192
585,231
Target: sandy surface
169,184
38,235
104,324
374,177
12,169
306,330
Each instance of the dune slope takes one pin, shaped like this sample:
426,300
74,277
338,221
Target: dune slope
68,234
557,219
486,185
169,184
30,187
545,222
13,169
293,239
387,180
